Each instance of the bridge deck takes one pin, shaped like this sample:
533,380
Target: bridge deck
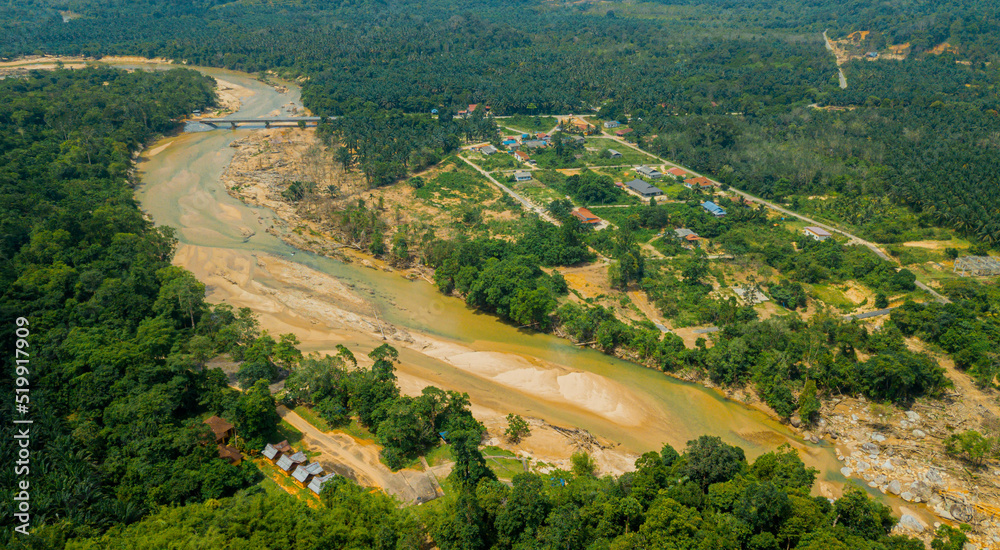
262,120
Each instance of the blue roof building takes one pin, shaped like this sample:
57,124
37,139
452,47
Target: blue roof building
713,209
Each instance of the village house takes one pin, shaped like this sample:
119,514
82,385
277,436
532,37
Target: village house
534,144
677,172
586,217
316,485
522,156
522,175
651,173
221,429
700,182
622,132
611,124
304,474
683,233
614,154
713,209
817,233
644,189
231,455
488,150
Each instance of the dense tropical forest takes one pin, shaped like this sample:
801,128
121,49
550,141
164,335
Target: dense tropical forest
742,90
679,70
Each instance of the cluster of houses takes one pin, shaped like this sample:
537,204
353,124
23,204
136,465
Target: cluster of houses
520,145
294,464
223,431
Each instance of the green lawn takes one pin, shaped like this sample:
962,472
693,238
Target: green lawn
461,183
832,297
527,124
629,155
313,418
496,161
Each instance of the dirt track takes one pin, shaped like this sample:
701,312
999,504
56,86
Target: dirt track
353,459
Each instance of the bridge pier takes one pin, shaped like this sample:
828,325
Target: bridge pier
267,124
233,124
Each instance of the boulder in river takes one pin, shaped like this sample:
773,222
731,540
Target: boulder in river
919,434
870,448
846,472
894,487
912,523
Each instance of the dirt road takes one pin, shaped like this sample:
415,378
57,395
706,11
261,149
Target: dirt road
359,461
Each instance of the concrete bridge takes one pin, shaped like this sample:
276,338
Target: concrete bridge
266,121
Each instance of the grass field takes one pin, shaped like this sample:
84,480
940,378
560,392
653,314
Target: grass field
313,418
527,124
832,297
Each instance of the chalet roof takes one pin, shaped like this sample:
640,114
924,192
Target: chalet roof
301,474
521,155
683,232
316,485
314,468
522,174
230,453
298,457
489,149
283,446
612,152
270,452
286,463
218,425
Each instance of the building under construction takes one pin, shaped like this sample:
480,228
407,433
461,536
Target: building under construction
977,266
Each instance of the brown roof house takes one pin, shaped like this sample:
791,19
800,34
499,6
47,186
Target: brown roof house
230,454
223,430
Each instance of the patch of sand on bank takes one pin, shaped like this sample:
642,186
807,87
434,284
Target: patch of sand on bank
323,311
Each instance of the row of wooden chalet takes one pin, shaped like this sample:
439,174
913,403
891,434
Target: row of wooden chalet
310,474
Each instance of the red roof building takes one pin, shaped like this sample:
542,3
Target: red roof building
699,182
677,172
586,217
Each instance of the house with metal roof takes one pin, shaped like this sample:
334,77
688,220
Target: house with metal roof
713,209
700,182
677,172
614,154
611,124
534,143
286,463
316,485
651,173
684,233
643,188
817,233
522,175
586,217
304,474
271,452
488,150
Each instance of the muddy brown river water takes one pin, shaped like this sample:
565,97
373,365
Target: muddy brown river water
327,302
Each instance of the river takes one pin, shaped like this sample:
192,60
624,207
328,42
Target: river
502,368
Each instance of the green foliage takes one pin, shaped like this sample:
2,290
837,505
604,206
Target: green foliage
583,464
517,428
709,460
969,445
808,402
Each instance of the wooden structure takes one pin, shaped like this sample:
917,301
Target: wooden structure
222,429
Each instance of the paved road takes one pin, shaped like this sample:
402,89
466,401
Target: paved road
876,313
528,205
853,239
